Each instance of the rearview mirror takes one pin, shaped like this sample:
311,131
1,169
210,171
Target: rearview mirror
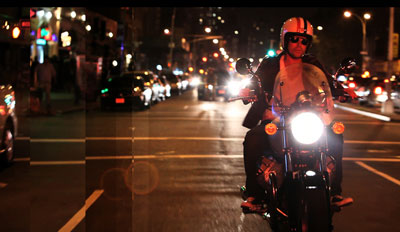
243,66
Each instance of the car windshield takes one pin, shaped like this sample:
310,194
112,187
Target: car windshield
172,78
146,78
126,81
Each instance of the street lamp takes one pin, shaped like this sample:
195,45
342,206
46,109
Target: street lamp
363,21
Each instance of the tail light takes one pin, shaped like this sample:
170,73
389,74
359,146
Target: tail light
378,90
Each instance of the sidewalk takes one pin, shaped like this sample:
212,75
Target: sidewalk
395,117
61,103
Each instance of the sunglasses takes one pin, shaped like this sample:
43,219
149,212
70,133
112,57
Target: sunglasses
293,39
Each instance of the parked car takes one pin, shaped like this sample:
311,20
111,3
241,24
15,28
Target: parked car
150,81
8,124
175,83
373,92
218,83
126,90
165,84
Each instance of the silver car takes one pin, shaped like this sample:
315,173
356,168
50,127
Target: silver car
8,124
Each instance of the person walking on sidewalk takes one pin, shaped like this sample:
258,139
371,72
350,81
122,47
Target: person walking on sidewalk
44,73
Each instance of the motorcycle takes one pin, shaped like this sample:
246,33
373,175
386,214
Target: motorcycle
298,189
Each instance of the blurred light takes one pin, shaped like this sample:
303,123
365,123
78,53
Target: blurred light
41,42
366,74
222,49
386,80
352,85
320,28
207,30
351,78
215,41
191,69
251,60
16,32
375,78
215,54
110,34
115,63
367,16
226,56
342,78
88,27
271,53
219,17
222,21
166,31
129,56
261,43
83,18
378,90
201,71
310,173
260,60
236,32
73,14
231,60
200,20
40,13
49,15
204,59
347,14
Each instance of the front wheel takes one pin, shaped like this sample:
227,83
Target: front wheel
316,211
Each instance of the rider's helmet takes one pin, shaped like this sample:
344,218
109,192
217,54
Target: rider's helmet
296,26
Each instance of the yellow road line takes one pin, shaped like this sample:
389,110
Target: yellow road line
80,215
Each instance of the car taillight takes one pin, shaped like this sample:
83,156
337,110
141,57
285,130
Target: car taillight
378,90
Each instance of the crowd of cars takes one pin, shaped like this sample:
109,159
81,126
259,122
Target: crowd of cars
140,89
372,92
218,83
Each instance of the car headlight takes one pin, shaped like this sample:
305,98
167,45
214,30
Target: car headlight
307,127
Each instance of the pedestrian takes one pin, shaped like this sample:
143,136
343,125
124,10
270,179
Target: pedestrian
44,74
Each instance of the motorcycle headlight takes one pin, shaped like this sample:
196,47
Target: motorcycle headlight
307,127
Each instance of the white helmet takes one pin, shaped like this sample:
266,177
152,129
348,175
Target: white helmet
296,26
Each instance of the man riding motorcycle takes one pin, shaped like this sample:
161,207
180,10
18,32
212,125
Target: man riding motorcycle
296,37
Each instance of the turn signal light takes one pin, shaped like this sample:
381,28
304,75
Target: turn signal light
338,128
271,129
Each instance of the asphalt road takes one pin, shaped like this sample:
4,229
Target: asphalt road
175,167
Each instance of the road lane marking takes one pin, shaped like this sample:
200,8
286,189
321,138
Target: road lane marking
78,217
384,175
67,162
182,156
50,140
372,142
368,114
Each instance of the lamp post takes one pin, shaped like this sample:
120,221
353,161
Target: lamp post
363,21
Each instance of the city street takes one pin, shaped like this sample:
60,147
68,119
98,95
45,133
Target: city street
175,167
